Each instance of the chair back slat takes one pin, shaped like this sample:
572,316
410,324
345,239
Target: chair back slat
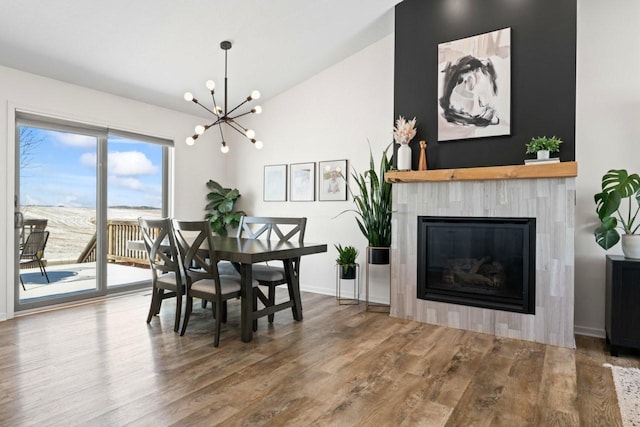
34,246
160,243
285,229
195,245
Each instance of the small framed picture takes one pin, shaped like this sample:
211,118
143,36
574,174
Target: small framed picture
275,183
302,182
333,180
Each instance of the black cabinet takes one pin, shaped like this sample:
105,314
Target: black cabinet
622,304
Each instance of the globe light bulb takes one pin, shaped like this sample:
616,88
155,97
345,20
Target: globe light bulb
224,148
257,109
250,133
255,94
199,129
211,85
258,145
188,96
218,110
191,141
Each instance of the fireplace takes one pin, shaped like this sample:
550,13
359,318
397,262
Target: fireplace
480,262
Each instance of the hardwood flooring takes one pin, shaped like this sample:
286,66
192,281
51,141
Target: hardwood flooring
101,364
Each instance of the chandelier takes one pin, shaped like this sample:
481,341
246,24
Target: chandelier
223,116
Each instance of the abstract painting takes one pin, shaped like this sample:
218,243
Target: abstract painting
474,86
302,182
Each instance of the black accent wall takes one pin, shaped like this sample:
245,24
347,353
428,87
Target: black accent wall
543,74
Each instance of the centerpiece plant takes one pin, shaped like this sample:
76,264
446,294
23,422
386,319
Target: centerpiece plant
220,208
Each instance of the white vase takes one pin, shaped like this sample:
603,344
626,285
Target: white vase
631,246
543,154
404,157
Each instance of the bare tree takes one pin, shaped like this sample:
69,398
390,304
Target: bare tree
29,142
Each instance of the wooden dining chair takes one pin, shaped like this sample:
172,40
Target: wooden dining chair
200,266
272,228
165,268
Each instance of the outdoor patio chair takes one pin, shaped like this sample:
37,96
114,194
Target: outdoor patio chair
198,258
32,253
165,267
279,229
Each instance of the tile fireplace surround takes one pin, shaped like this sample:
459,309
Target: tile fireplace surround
545,192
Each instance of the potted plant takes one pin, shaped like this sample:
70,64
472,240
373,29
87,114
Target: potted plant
373,208
219,208
542,146
617,185
347,261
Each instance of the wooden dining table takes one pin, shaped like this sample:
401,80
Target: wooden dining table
246,252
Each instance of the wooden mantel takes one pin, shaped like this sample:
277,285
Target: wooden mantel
548,170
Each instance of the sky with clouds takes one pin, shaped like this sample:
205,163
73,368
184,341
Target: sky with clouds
60,170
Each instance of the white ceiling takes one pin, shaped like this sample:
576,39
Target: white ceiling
155,50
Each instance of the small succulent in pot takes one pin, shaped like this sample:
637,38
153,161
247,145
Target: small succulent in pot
346,258
543,143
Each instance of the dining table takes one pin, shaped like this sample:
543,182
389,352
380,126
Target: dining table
243,253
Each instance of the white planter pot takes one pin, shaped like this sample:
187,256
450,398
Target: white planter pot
404,157
543,154
631,246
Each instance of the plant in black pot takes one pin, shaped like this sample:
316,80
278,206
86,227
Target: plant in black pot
347,261
373,208
220,203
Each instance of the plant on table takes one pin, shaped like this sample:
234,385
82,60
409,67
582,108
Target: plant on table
617,185
220,213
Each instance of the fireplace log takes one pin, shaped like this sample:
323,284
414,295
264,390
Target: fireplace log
473,271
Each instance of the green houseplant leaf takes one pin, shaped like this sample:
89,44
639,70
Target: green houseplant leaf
617,185
219,207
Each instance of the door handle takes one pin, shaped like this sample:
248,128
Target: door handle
18,220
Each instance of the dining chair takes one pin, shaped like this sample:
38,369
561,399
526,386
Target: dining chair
200,266
32,253
162,251
272,228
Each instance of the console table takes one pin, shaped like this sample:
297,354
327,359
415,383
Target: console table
622,300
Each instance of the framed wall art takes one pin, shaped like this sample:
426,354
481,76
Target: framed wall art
332,175
302,182
275,183
474,86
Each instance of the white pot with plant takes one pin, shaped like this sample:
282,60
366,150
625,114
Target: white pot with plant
403,133
542,146
616,215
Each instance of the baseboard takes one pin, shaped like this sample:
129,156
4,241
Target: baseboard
590,332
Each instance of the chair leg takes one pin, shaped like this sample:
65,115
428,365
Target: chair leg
22,283
43,270
187,313
176,325
216,339
152,307
255,308
159,300
204,303
223,314
272,300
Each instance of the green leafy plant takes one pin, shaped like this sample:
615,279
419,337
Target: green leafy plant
346,257
617,184
373,204
543,143
219,208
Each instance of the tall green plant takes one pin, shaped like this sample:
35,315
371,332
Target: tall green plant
373,204
617,185
219,208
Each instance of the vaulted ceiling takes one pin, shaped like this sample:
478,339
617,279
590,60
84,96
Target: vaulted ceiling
155,50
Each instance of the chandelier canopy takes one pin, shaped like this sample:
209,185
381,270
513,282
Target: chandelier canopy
223,115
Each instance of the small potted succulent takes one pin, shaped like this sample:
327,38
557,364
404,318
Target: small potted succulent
347,261
542,146
616,186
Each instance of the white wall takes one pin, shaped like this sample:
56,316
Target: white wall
607,133
328,117
195,165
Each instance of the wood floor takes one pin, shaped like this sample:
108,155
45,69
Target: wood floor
101,364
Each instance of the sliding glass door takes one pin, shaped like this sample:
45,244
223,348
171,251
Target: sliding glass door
79,192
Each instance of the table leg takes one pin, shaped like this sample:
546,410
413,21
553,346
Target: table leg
293,285
246,301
